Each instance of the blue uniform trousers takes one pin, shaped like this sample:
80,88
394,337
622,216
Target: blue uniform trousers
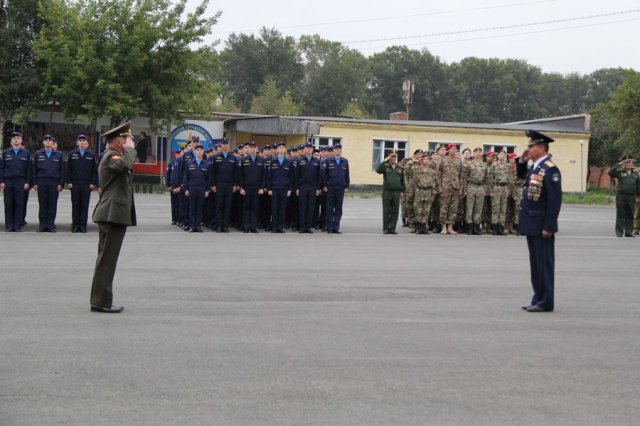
223,204
196,207
278,209
14,202
335,198
250,204
48,203
80,196
307,204
542,260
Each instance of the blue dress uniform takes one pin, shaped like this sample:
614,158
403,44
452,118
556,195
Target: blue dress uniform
81,173
224,176
170,174
196,182
251,180
336,180
540,207
308,182
48,172
182,200
279,183
16,173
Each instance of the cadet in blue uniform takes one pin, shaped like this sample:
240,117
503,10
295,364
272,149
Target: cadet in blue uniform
279,185
15,180
540,207
252,184
336,183
196,187
48,172
308,185
170,176
82,178
224,181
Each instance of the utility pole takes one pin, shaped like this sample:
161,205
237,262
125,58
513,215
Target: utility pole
407,94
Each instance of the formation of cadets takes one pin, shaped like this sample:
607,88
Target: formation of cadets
46,173
448,193
272,188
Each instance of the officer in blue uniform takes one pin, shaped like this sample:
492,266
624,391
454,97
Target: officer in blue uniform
82,178
540,207
48,173
308,185
224,181
252,184
336,183
280,179
170,176
15,180
196,187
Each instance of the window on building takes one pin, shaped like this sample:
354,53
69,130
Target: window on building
382,148
433,145
498,147
322,141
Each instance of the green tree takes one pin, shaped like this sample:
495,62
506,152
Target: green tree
123,58
354,110
269,101
334,75
398,63
248,61
19,79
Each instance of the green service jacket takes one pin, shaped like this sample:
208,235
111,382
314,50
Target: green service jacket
393,179
116,182
628,181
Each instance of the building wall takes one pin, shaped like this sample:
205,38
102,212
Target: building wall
237,138
357,140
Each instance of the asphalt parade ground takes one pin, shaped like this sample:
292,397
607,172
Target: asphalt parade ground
353,329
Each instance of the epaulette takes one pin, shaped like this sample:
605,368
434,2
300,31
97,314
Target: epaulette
549,164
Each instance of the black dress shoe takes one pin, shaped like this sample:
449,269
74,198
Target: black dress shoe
308,231
336,232
107,310
524,308
254,231
629,235
536,308
83,229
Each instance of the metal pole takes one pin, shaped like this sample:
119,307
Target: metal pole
581,169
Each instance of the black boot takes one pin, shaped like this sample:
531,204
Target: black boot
501,230
495,229
405,223
425,231
476,229
469,227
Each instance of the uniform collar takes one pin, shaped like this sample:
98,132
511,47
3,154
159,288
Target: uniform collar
539,161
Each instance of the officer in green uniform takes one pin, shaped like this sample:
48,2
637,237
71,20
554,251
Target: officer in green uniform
392,186
626,196
113,213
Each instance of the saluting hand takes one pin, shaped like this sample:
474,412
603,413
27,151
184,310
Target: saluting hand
59,188
206,194
546,234
186,193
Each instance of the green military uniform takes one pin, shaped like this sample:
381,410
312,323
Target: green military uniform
392,186
628,191
450,176
475,181
499,186
515,187
113,213
426,181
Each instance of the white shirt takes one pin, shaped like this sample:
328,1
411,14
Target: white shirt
540,160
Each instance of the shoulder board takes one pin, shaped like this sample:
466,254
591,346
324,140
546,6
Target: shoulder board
549,164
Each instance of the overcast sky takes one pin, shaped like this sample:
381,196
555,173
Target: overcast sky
572,45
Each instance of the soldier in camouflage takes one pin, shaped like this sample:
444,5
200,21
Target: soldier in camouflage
450,177
403,197
499,185
426,181
411,187
476,186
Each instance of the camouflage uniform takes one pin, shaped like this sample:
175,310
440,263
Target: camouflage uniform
516,186
410,191
475,179
499,184
434,215
450,176
403,196
426,181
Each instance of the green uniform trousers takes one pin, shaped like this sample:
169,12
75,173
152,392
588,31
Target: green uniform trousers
422,204
475,201
499,204
449,206
624,214
390,207
110,239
